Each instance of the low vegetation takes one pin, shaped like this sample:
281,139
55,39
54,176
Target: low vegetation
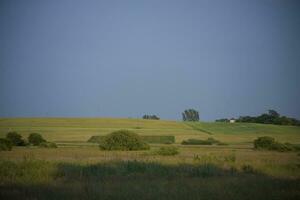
5,144
123,140
48,145
167,151
37,179
151,139
208,141
269,143
151,117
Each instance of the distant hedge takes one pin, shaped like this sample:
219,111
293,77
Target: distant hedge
123,140
208,141
152,139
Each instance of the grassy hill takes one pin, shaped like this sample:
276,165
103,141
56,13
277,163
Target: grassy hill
81,129
80,170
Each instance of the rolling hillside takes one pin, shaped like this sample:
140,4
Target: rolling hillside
81,129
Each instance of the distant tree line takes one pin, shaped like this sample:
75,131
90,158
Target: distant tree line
223,120
272,117
151,117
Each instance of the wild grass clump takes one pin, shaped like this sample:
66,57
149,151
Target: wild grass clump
246,168
123,140
208,141
48,145
214,159
269,143
167,151
5,145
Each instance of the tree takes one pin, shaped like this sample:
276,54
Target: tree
190,115
35,139
15,139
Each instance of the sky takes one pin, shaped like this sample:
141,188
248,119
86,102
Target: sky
227,58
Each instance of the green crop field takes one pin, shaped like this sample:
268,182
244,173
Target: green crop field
78,169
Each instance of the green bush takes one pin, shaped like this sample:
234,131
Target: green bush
264,142
48,145
281,147
123,140
35,139
208,141
167,151
5,145
15,139
269,143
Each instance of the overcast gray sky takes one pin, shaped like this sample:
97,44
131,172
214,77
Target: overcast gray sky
129,58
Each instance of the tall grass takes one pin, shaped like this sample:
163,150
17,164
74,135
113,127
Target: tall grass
37,179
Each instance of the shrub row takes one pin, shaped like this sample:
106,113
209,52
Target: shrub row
208,141
165,139
15,139
269,143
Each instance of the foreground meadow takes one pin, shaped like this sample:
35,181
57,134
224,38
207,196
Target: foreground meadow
79,170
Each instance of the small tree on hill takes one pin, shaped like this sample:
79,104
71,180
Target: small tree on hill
190,115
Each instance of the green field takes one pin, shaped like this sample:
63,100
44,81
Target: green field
79,170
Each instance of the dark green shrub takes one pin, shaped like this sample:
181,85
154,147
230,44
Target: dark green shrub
48,145
15,139
264,142
123,140
35,139
222,144
212,140
208,141
196,142
167,151
281,147
269,143
5,145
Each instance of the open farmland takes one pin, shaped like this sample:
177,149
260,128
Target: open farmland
80,170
